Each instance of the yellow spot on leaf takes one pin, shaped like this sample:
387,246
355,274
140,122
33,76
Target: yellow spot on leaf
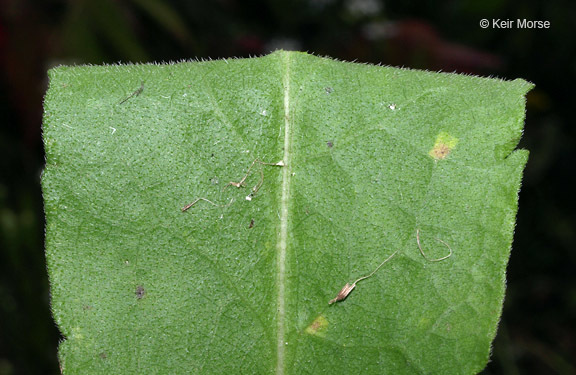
424,322
318,326
443,146
77,333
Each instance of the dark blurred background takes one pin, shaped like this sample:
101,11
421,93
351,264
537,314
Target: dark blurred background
537,330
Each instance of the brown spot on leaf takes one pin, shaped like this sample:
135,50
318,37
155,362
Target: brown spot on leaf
444,144
318,326
140,292
440,151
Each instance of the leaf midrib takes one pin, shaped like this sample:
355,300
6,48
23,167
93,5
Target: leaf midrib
283,232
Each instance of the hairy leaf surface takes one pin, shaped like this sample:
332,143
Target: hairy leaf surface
240,282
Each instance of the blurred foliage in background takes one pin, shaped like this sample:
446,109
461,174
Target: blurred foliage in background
537,331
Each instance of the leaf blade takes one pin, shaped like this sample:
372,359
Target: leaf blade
199,292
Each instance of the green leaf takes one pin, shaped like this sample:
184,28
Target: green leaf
235,286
